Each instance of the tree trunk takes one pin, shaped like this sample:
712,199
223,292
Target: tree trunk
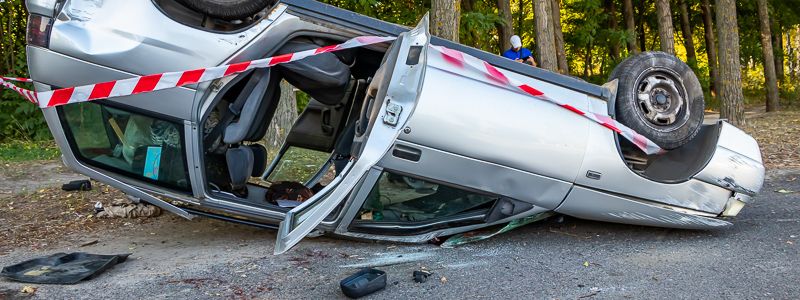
665,31
770,79
561,53
630,26
282,122
688,39
545,38
790,54
642,37
777,46
505,29
796,57
445,18
711,47
611,10
587,62
730,87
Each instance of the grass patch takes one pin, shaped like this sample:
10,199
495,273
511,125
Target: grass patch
16,151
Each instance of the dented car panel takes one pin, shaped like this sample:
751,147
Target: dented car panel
411,148
736,164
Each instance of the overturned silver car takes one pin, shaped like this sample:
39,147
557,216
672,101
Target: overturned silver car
396,142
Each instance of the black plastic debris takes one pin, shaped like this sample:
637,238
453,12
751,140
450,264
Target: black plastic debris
62,268
365,282
421,276
77,185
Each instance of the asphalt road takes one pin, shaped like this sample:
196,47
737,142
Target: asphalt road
757,258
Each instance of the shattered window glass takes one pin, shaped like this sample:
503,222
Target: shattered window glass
136,145
400,198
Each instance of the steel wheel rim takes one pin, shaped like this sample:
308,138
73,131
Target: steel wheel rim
661,99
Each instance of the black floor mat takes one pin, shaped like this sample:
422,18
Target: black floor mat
62,268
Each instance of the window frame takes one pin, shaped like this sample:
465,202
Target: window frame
393,228
70,138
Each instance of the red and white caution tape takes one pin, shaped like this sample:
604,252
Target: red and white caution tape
468,62
155,82
19,79
25,93
161,81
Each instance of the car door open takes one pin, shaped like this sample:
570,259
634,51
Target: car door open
389,100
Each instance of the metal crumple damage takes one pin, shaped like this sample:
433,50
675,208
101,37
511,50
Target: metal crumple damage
699,196
734,172
83,10
680,220
730,183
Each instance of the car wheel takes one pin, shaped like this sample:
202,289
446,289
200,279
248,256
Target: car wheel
659,97
228,9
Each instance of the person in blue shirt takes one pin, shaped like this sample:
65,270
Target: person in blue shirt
518,53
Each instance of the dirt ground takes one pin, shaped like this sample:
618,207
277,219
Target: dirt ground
175,258
778,135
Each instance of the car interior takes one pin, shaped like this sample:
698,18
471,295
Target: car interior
342,88
316,147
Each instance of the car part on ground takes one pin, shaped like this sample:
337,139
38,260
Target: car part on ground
77,185
660,97
365,282
62,268
421,276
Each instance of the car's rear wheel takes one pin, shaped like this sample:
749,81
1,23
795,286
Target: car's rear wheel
228,9
660,97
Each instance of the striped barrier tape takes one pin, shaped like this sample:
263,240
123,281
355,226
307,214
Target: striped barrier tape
161,81
19,79
25,93
468,62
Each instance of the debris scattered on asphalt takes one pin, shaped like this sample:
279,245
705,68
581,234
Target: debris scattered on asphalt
89,243
469,237
29,290
592,292
125,208
62,268
587,264
421,276
569,234
364,282
443,279
783,191
77,185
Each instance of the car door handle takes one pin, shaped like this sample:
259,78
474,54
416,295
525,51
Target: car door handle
407,153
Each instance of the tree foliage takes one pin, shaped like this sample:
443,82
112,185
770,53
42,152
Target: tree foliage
19,119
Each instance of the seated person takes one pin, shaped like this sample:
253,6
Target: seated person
518,53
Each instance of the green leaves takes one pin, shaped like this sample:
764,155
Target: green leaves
19,119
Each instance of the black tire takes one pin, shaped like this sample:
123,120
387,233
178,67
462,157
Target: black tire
670,109
228,9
